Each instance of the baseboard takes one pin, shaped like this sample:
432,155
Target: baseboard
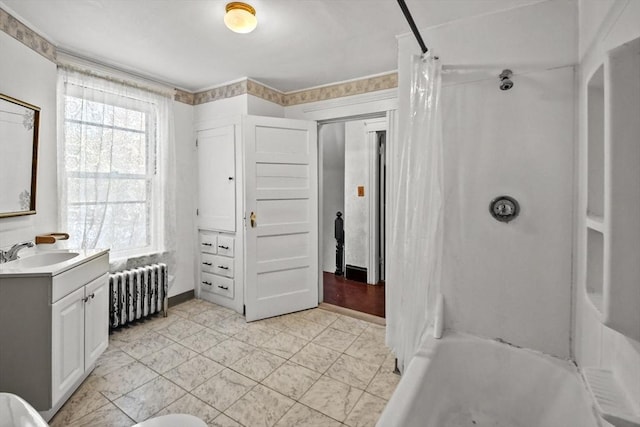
353,313
180,298
358,274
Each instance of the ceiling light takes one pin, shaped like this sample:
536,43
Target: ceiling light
240,17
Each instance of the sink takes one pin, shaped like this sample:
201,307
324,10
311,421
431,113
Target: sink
48,263
43,259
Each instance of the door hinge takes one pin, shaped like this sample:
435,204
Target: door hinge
197,212
244,310
196,142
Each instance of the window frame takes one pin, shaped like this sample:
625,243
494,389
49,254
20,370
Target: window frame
152,177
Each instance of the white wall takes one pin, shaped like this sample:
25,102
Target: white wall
332,143
237,105
591,15
595,344
221,108
356,209
511,281
261,107
186,182
29,77
26,75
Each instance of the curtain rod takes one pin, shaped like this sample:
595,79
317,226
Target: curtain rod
412,24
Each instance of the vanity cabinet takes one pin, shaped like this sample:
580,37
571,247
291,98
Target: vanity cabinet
54,324
78,333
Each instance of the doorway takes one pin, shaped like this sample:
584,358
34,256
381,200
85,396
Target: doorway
353,187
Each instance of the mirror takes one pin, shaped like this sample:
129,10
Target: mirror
19,123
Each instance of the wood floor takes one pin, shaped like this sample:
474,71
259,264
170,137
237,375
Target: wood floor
354,295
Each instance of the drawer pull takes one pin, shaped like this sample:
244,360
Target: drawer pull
207,263
223,247
226,288
204,282
208,244
223,267
230,178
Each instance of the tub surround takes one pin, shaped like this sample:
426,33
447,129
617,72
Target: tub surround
603,26
511,281
446,381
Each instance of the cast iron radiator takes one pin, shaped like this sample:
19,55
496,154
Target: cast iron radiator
138,293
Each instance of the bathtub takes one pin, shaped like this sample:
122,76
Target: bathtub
463,380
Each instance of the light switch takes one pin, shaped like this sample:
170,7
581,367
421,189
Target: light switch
360,190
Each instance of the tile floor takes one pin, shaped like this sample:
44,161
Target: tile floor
312,368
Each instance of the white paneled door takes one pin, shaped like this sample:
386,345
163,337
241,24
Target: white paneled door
281,208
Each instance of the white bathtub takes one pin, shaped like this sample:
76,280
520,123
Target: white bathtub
463,380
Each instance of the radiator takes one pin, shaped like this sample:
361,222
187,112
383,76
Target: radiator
137,293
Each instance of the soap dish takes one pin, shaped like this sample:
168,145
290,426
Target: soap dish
612,402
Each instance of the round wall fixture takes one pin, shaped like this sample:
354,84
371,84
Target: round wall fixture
504,208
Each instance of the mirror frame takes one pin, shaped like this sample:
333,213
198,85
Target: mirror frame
34,156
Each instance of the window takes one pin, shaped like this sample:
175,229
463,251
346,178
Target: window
111,178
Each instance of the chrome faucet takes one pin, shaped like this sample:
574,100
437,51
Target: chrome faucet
12,253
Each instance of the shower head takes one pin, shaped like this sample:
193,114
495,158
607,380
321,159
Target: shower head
505,80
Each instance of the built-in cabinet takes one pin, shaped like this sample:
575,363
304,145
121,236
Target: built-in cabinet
258,214
217,263
219,213
613,190
217,178
53,325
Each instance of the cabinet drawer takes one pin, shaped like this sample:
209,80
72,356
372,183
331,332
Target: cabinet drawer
216,284
217,265
225,245
67,282
209,243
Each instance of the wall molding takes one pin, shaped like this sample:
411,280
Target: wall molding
19,31
340,90
306,96
25,35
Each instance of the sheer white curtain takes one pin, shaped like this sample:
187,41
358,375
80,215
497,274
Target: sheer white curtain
116,167
416,243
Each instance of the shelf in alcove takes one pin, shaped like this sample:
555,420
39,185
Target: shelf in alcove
596,300
595,222
611,400
595,267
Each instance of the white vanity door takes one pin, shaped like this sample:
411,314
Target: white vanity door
67,342
281,202
96,319
216,179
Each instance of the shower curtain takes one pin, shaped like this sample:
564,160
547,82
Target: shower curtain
414,267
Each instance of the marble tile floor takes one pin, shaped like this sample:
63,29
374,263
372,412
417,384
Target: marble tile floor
313,368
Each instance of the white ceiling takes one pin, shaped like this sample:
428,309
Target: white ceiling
298,43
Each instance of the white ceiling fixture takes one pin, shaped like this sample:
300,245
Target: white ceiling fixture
240,17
